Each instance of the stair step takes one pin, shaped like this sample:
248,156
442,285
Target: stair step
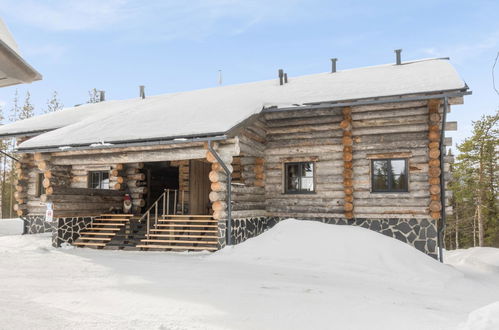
177,241
188,220
117,215
187,225
182,236
187,216
95,228
108,224
89,243
100,234
176,247
112,219
95,238
185,230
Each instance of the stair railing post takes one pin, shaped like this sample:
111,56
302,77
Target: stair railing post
148,224
156,214
168,201
182,202
175,202
164,202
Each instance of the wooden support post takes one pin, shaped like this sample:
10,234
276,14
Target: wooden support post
347,142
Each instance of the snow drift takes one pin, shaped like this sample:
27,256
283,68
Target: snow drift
318,246
298,275
11,227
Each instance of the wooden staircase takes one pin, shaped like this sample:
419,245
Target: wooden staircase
182,233
102,230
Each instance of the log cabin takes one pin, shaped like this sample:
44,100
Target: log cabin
214,167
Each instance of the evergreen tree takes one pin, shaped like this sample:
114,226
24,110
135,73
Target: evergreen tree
3,148
475,187
16,109
27,110
54,104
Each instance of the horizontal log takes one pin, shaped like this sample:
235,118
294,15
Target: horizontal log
217,176
79,198
20,207
83,191
84,206
219,206
248,214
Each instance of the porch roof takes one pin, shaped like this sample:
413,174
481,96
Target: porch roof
216,110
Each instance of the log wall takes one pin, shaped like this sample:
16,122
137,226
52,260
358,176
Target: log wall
342,143
305,136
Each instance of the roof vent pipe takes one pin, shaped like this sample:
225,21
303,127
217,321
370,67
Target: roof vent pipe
102,96
142,92
399,59
281,76
285,78
333,65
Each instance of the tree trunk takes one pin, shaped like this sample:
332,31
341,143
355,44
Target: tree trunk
480,200
457,227
474,229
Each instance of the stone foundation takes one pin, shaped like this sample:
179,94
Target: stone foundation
64,230
242,229
36,224
420,233
68,229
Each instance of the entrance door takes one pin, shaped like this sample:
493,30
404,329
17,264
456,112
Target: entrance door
159,176
199,187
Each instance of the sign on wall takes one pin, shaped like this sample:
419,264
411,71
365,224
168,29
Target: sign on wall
49,214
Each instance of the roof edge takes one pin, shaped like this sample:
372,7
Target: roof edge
129,143
23,71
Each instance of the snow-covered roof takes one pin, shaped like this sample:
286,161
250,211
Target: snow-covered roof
7,37
13,68
216,110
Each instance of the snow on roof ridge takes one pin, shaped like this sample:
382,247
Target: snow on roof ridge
218,109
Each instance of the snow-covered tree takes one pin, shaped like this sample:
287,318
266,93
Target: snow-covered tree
93,96
54,104
27,110
14,111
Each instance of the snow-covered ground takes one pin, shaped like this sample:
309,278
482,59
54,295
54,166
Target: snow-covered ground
11,227
298,275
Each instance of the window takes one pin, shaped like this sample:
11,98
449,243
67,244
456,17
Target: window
98,180
389,175
299,178
40,189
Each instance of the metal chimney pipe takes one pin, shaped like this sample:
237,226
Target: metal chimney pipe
142,92
285,78
102,96
333,65
281,76
399,59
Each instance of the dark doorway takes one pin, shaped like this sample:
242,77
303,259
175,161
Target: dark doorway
159,176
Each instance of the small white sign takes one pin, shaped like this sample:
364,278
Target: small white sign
49,214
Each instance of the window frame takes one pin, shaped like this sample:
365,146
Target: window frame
40,189
390,177
300,191
101,178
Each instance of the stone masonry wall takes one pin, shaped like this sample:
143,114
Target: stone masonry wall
64,230
420,233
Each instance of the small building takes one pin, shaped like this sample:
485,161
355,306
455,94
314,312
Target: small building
216,166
